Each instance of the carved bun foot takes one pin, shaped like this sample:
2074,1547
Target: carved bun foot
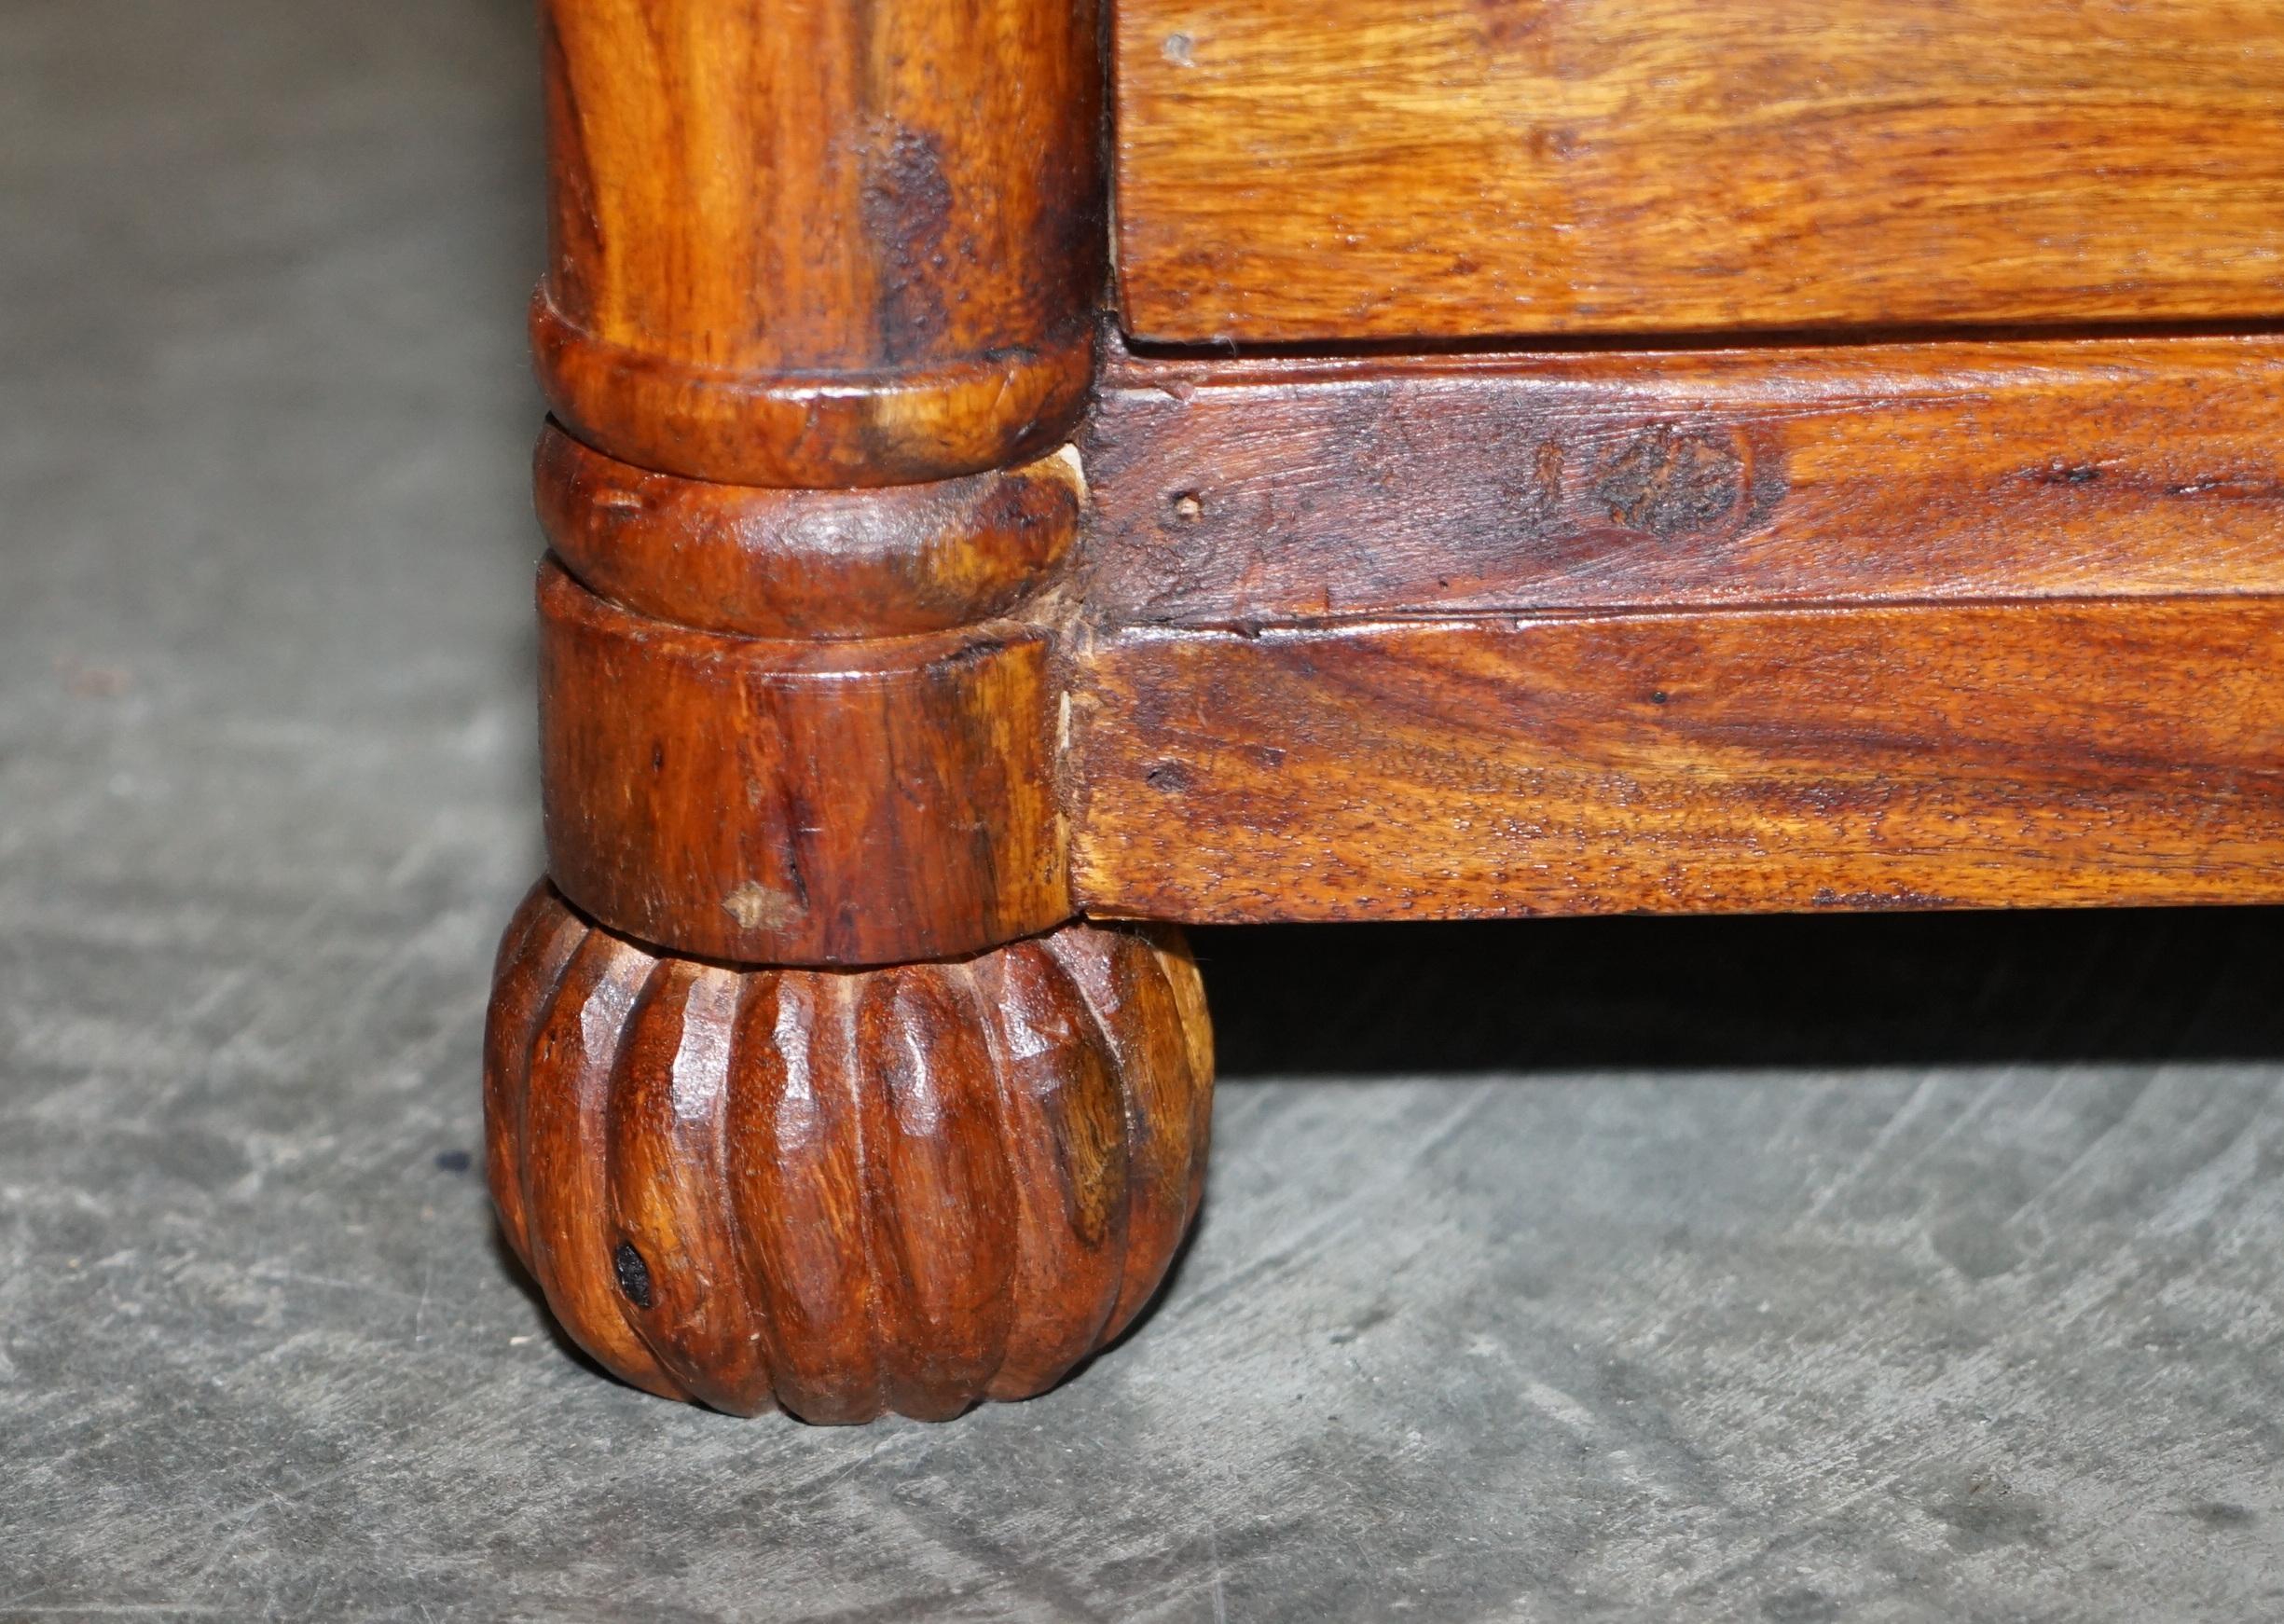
845,1192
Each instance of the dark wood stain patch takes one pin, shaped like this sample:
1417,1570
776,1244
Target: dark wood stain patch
907,206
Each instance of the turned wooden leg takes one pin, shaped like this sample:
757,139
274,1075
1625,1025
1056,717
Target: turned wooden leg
803,1085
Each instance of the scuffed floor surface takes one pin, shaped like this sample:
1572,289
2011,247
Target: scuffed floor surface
1798,1270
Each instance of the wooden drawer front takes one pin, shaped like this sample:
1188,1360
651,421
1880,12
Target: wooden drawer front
1310,170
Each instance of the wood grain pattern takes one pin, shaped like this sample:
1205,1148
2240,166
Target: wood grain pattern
1900,756
772,563
1289,170
799,802
844,1192
1234,492
821,244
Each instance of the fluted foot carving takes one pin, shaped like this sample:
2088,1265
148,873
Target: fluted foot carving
845,1192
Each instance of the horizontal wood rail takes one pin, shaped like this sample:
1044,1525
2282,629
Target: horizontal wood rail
1905,756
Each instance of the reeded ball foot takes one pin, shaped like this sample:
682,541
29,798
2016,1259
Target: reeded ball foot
843,1193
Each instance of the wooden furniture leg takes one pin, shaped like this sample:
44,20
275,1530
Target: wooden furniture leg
802,1086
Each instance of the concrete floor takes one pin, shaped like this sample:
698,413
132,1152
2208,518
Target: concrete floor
1885,1269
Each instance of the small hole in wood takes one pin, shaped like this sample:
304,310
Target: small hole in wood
1167,778
1189,506
634,1274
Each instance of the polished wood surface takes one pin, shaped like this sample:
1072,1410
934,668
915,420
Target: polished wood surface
772,563
844,1192
821,244
1290,170
1913,756
1267,491
852,802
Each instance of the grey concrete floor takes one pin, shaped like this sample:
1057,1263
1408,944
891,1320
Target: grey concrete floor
1788,1270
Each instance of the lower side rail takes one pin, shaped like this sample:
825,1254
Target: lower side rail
2059,752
